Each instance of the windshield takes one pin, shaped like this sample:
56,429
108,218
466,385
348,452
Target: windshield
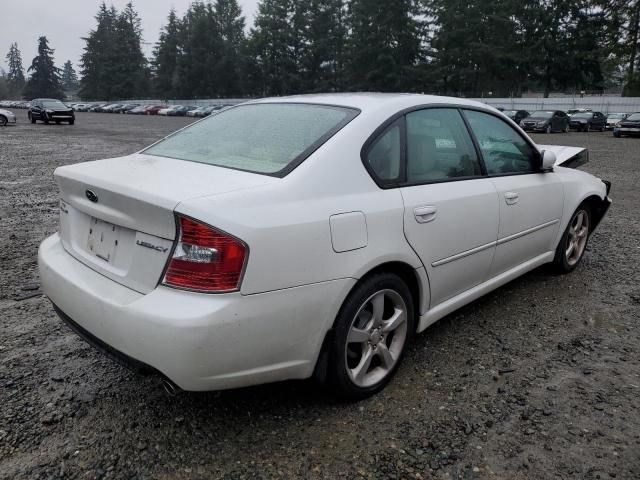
613,116
269,138
582,115
634,117
541,114
53,104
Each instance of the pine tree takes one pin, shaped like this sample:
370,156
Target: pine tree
230,65
323,54
45,76
113,65
165,63
15,77
384,47
274,69
69,77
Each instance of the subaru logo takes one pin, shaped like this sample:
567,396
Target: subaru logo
91,196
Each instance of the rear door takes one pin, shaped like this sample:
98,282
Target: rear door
451,208
530,201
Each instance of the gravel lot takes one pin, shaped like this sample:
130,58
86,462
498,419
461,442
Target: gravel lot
540,379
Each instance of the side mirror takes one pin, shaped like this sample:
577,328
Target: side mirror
548,160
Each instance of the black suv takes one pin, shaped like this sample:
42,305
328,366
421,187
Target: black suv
587,121
50,110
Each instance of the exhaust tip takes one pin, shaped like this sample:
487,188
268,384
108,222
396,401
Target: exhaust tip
170,388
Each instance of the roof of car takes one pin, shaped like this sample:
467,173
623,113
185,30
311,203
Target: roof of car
373,100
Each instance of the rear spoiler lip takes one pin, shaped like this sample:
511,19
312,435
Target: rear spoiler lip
568,157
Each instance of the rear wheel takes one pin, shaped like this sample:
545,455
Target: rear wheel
587,128
370,336
574,241
566,128
602,128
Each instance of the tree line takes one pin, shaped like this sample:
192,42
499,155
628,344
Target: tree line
450,47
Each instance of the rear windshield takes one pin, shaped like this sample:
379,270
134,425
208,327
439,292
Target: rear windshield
268,138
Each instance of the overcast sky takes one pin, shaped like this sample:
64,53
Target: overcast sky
64,22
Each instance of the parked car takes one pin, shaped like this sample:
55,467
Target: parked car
126,108
380,213
139,110
6,116
196,111
164,111
614,118
180,110
96,107
573,111
629,126
516,115
154,109
587,121
111,108
546,121
50,110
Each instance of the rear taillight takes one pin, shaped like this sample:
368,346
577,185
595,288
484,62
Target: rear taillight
205,259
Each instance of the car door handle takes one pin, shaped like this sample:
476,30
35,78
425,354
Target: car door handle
511,198
425,214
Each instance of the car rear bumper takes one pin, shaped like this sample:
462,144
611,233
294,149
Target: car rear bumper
198,341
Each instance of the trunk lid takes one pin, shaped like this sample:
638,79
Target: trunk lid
117,215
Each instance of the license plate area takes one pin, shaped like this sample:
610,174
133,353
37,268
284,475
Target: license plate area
103,239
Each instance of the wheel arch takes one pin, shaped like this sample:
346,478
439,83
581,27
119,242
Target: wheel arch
416,280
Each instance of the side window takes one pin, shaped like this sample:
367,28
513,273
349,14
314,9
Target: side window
383,156
439,147
503,149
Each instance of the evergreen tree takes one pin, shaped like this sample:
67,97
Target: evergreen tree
273,50
322,59
69,77
384,46
45,76
201,46
113,65
165,63
15,77
230,65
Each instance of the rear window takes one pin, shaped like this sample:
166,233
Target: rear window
267,138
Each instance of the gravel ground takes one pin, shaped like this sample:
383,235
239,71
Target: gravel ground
540,379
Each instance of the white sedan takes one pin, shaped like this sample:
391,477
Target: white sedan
308,236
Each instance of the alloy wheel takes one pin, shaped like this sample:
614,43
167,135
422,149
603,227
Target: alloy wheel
577,237
376,338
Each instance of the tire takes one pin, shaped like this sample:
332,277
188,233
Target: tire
3,121
602,128
370,336
71,122
46,122
57,122
33,120
576,234
566,129
587,128
616,134
548,129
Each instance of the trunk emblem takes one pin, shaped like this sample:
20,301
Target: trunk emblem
91,196
158,248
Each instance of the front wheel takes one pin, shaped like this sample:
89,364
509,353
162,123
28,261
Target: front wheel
548,129
3,120
71,122
587,128
566,128
370,336
616,134
33,120
573,243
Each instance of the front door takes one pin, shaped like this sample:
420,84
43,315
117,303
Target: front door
530,202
